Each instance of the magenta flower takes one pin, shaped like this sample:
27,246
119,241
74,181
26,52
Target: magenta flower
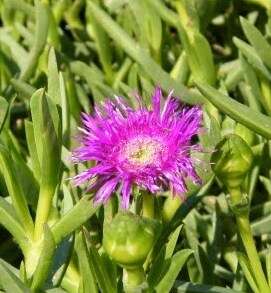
150,148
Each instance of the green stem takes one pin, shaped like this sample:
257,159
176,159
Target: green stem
43,211
244,229
133,279
148,205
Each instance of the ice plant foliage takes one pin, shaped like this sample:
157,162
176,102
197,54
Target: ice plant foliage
148,147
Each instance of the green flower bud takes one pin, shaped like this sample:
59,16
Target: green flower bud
232,160
128,239
247,135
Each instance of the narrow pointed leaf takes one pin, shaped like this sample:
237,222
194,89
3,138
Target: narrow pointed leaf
187,287
15,190
42,25
30,138
61,261
261,226
53,78
87,273
10,282
101,273
253,120
246,268
177,262
74,218
268,266
3,112
155,72
10,221
252,57
258,41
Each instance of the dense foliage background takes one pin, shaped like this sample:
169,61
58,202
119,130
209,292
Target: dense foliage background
59,58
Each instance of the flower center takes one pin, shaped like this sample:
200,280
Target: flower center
143,151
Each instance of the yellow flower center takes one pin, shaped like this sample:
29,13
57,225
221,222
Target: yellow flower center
143,151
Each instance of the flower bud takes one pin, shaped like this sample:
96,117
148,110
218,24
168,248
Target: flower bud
232,160
129,238
247,135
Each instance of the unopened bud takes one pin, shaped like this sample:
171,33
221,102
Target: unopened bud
232,160
129,238
247,135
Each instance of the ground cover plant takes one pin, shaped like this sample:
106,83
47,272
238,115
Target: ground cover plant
134,146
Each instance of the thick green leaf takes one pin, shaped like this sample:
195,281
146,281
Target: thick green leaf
212,135
10,282
216,236
162,261
53,78
122,72
45,260
172,242
158,268
180,71
93,78
56,290
101,273
65,112
42,25
193,199
15,190
61,261
22,88
246,268
200,268
10,221
102,43
258,41
87,273
165,13
233,78
153,30
24,174
74,218
261,209
268,266
199,57
261,226
155,72
252,57
253,84
17,51
47,132
21,6
150,27
3,112
253,120
186,287
30,138
177,262
74,105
